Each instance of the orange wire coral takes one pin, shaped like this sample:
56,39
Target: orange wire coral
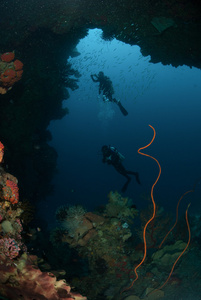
189,238
177,213
152,218
154,208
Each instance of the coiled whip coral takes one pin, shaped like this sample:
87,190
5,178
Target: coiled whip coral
153,216
154,209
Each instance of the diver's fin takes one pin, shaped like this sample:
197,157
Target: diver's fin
137,177
124,188
122,109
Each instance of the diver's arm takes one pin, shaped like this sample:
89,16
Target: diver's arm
94,79
107,159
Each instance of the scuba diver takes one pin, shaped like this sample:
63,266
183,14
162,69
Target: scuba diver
112,157
105,86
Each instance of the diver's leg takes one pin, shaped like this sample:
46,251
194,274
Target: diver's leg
123,172
124,188
136,174
122,109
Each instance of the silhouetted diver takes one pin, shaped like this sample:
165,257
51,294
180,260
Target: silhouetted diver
112,157
105,86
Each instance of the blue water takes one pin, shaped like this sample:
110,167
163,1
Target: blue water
165,97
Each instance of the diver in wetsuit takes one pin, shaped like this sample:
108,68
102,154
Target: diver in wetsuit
112,157
105,86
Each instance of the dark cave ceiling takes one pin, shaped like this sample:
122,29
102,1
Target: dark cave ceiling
168,30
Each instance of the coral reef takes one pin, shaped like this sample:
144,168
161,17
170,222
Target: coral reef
120,207
72,218
11,191
10,71
109,240
20,276
80,228
166,256
10,224
157,228
28,211
24,280
99,237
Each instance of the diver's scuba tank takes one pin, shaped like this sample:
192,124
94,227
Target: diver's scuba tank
121,157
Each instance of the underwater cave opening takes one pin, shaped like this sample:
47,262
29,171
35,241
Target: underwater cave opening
163,96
